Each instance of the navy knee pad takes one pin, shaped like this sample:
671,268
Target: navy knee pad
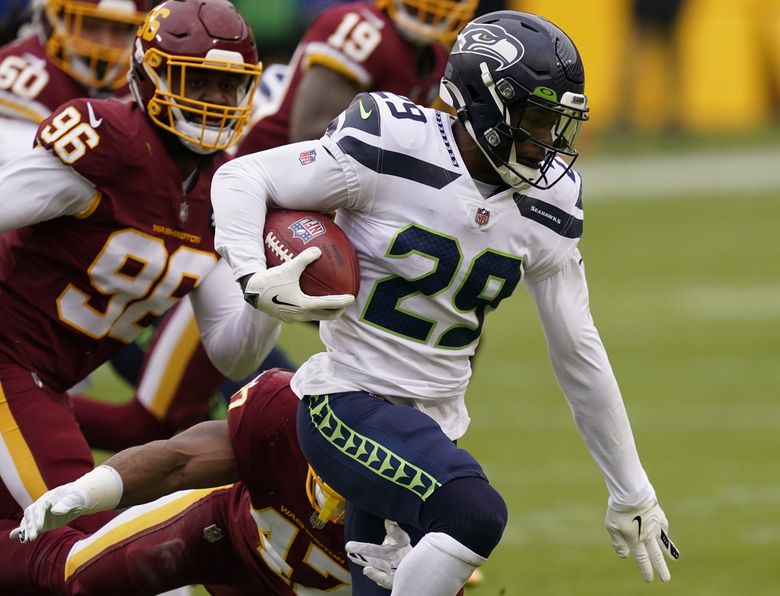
470,511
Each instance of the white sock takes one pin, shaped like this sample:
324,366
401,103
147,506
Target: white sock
438,565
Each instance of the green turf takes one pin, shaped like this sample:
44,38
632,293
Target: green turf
687,298
687,304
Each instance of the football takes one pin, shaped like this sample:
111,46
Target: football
288,233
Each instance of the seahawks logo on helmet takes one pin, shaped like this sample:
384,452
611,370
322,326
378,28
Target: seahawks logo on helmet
491,41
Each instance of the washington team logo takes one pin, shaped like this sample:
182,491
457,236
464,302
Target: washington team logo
491,41
306,228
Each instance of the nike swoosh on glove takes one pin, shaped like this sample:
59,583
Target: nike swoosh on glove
277,292
380,561
643,533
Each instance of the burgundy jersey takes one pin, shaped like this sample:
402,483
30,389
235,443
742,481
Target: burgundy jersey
270,510
31,86
359,41
75,289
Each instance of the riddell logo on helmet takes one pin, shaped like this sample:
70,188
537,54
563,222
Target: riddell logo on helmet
491,41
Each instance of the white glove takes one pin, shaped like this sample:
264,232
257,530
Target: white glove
99,490
379,561
642,533
277,292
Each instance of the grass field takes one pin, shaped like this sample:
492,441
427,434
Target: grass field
686,293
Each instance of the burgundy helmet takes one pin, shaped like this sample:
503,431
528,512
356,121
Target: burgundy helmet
184,39
426,21
90,39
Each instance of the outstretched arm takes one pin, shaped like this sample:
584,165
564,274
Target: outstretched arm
199,457
585,376
635,522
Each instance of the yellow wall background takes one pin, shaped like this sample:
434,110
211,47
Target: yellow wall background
728,58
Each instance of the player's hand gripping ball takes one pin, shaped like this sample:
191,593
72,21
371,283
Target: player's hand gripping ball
288,233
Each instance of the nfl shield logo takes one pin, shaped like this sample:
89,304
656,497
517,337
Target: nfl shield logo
307,157
307,228
482,216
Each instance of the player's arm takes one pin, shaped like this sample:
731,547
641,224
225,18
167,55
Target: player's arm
585,375
322,94
301,176
199,457
237,338
245,188
17,135
38,187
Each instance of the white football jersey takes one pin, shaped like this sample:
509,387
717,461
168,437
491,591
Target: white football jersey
435,257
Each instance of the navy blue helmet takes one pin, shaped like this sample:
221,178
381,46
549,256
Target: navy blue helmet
514,59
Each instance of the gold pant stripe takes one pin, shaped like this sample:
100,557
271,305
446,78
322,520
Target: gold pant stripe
23,460
132,521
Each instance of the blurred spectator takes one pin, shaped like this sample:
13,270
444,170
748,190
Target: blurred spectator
13,14
653,27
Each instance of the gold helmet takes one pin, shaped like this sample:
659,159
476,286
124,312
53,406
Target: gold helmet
327,503
183,43
426,21
91,39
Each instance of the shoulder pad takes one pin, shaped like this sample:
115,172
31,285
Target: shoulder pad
559,208
31,86
351,39
391,135
97,138
397,122
362,114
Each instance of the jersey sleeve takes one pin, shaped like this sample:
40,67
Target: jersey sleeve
382,132
37,187
560,211
310,175
17,138
26,86
348,39
87,136
236,336
585,376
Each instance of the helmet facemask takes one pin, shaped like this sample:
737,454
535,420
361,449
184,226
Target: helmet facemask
328,504
533,110
517,84
203,127
426,21
92,41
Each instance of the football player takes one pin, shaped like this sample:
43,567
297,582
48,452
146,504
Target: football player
395,45
389,45
78,48
108,224
448,216
260,535
82,48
